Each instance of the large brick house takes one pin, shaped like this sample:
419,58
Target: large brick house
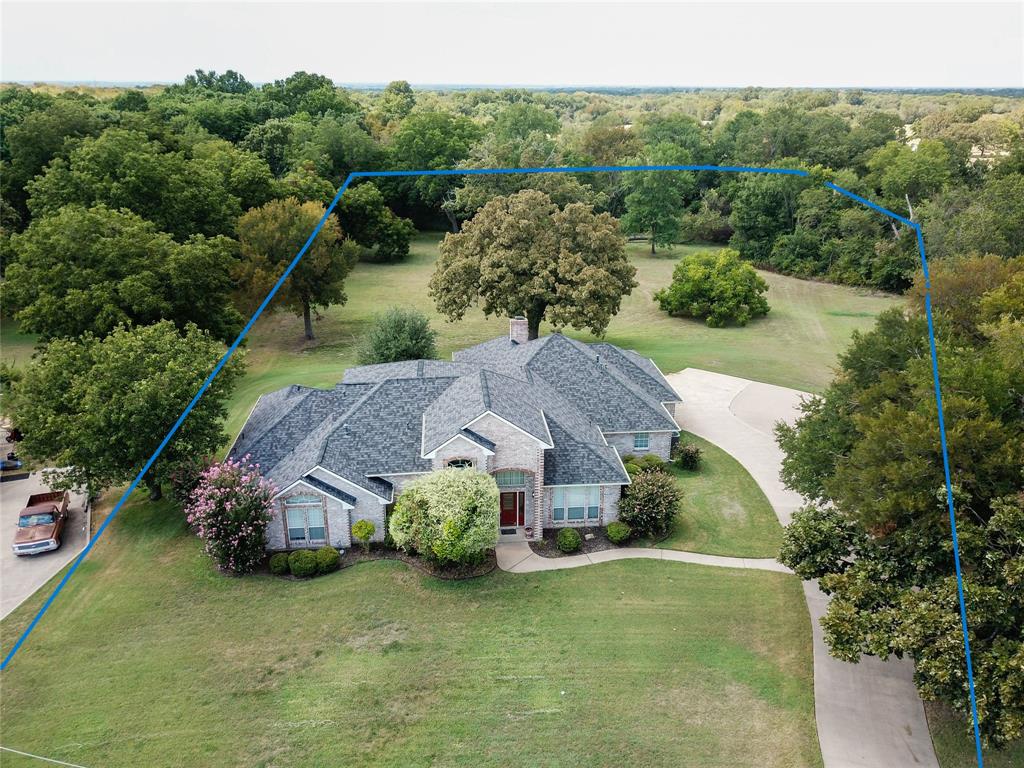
548,419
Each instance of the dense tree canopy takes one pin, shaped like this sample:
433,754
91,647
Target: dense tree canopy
100,407
523,255
877,535
94,269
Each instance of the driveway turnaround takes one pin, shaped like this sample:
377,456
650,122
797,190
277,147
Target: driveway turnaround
20,577
869,714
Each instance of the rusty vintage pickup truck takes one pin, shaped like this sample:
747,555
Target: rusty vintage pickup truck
41,523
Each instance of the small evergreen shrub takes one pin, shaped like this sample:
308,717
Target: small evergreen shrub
399,334
327,560
617,532
569,540
688,456
363,531
302,563
279,563
632,468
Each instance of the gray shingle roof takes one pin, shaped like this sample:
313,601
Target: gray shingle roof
381,418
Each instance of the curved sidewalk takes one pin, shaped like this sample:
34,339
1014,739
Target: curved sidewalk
517,557
869,714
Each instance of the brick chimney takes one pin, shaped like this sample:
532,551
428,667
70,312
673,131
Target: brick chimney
518,329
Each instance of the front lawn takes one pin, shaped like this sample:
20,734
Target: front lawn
149,657
723,511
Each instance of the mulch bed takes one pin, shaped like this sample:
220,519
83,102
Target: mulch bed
547,547
356,555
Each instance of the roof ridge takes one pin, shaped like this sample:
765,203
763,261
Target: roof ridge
485,391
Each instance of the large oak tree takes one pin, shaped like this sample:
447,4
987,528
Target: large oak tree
523,255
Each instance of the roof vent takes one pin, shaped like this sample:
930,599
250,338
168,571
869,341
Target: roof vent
518,330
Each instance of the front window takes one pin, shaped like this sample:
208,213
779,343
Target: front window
641,441
42,518
576,503
460,464
510,478
306,523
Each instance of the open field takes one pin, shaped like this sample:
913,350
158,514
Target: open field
152,658
723,511
794,346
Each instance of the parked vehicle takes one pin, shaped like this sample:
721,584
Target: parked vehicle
41,523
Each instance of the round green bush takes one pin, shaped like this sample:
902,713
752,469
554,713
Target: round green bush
688,456
569,540
302,563
617,532
362,531
279,563
327,560
652,461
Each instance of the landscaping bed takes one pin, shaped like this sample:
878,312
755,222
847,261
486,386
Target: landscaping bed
598,541
357,555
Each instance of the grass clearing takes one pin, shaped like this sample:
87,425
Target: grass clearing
954,743
723,511
796,345
152,658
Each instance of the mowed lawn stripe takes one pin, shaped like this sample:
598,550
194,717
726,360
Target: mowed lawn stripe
156,659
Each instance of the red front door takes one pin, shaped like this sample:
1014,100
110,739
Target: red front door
512,509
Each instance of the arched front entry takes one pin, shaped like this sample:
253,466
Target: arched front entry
515,499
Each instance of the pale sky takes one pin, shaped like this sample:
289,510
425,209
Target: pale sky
868,44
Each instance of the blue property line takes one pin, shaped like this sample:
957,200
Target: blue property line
570,169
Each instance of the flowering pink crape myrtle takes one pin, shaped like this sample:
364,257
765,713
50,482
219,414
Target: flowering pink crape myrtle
229,510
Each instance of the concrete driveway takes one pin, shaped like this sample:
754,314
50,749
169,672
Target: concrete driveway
868,714
20,577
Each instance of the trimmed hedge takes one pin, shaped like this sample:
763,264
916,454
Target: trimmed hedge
302,563
327,560
569,540
279,563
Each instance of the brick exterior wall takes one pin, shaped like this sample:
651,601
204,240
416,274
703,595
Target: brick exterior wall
339,527
661,443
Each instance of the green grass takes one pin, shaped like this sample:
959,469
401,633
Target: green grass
723,511
795,345
15,347
954,742
151,658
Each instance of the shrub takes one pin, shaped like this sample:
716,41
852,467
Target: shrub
649,505
448,517
302,563
632,468
279,563
687,456
715,286
652,462
229,510
617,532
327,560
399,334
569,540
363,531
185,477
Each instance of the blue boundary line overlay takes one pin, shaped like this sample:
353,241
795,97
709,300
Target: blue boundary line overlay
566,169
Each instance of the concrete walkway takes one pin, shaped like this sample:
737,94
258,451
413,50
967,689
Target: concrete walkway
517,557
869,714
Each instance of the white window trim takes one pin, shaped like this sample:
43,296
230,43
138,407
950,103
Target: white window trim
592,493
647,438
